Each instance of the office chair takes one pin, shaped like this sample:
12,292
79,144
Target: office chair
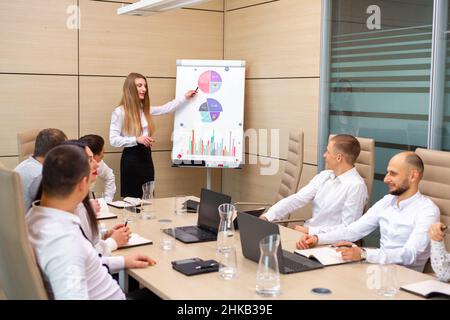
292,170
365,165
25,143
436,185
20,277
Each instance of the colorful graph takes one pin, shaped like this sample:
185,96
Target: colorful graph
211,147
210,81
210,110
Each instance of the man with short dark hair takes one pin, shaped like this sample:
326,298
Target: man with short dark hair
30,169
404,217
71,267
338,194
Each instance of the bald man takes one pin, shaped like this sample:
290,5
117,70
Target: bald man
404,217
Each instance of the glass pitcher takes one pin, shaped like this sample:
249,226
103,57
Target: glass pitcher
225,234
268,275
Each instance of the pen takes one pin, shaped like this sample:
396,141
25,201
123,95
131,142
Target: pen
93,195
196,90
126,222
344,246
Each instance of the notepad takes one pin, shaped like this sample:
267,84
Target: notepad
136,240
325,255
104,211
428,288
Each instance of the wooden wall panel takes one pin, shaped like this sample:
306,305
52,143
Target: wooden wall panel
277,39
284,104
34,37
99,96
236,4
32,101
249,184
118,45
9,162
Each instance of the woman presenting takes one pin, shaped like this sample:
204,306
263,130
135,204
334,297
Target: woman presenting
132,127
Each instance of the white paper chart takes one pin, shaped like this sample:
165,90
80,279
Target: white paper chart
210,128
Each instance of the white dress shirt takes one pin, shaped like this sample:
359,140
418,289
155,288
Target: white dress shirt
30,172
403,228
337,201
119,139
106,174
440,260
104,247
70,265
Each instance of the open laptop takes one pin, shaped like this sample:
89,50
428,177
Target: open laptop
208,219
252,230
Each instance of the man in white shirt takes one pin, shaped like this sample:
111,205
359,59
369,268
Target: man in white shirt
30,169
97,145
404,217
71,267
338,194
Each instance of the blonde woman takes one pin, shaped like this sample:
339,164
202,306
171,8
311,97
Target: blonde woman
132,127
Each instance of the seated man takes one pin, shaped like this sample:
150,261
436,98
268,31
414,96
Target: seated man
338,194
71,267
30,169
440,258
403,216
105,173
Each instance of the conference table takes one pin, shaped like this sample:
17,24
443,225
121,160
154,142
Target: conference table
353,281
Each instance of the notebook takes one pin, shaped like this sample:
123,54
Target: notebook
325,255
104,211
126,203
136,240
429,289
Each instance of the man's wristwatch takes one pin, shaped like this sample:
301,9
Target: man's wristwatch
363,254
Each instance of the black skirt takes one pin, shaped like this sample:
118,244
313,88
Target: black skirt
136,168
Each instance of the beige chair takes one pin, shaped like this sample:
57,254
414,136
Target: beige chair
25,143
20,277
292,170
436,184
365,164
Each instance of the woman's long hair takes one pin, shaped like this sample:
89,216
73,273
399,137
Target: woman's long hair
132,107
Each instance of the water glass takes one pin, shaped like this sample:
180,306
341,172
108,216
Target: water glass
228,263
180,205
130,213
147,209
388,286
167,234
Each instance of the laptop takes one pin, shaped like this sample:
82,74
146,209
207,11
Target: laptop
252,230
208,219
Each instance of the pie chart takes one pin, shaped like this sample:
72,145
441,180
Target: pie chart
210,110
210,81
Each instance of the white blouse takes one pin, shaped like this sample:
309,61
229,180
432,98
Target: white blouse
118,138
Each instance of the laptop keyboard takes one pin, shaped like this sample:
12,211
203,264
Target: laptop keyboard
199,233
297,263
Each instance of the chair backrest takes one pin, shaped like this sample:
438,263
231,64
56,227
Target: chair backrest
290,178
20,277
436,182
365,164
25,143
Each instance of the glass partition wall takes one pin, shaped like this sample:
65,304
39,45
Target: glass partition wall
385,75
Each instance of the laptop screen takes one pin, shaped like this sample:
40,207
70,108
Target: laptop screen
208,213
252,230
